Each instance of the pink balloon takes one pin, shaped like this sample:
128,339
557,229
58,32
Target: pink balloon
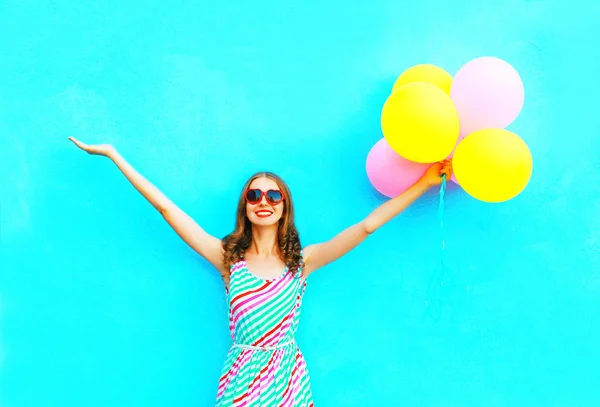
488,93
389,173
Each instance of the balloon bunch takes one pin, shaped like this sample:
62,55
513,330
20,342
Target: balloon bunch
431,116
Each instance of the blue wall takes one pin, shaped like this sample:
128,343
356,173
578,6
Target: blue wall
102,305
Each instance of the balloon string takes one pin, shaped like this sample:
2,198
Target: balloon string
441,216
440,273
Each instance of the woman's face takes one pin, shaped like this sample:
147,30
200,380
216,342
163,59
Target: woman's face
264,213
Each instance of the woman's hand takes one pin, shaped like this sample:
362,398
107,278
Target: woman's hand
433,176
95,149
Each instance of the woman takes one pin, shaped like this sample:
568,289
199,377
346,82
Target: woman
264,269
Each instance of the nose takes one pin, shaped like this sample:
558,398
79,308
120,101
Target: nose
263,201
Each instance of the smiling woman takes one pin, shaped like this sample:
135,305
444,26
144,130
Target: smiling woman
264,268
264,216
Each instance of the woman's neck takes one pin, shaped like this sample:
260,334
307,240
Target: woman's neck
265,241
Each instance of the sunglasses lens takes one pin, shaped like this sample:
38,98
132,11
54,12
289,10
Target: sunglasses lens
253,195
274,196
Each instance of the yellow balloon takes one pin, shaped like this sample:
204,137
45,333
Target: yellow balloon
425,73
493,165
420,123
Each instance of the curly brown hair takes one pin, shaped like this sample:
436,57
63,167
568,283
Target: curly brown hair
238,242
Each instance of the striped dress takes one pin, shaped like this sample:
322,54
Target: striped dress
264,314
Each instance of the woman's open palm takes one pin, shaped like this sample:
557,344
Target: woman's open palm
94,149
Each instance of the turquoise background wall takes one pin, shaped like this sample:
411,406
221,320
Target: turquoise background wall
101,304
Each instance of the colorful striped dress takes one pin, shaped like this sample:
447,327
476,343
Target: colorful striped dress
264,366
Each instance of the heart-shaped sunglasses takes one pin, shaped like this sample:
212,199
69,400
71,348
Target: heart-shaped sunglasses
254,196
